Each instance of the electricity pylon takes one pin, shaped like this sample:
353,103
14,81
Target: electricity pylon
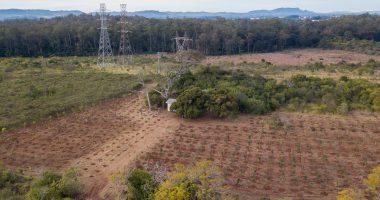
105,51
125,48
182,43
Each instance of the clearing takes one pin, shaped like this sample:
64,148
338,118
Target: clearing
295,57
312,160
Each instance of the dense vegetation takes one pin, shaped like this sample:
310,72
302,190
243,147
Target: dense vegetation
202,181
226,93
33,89
78,35
48,186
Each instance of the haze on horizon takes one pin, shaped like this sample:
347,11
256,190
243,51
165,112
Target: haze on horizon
196,5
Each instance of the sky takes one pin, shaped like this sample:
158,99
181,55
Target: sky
196,5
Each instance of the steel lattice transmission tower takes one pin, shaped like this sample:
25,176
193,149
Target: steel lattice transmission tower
125,48
182,43
105,56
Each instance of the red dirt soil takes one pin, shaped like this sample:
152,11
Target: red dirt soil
97,142
320,156
314,160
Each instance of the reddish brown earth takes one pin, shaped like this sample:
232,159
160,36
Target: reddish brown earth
320,156
98,142
296,57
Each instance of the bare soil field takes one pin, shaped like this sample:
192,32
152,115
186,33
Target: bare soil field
98,142
314,160
296,57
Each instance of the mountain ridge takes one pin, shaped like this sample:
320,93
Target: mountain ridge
285,12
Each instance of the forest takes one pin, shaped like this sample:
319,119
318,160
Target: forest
78,35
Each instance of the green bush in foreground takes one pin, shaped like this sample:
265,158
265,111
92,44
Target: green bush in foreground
48,186
141,185
12,185
56,186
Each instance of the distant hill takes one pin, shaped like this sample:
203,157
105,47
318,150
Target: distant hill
35,14
288,13
280,12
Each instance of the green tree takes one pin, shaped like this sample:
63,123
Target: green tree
190,103
222,103
140,185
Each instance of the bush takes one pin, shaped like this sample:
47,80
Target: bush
226,93
156,99
55,186
204,180
190,103
343,109
12,186
376,103
69,185
141,185
222,103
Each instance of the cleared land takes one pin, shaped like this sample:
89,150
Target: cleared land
296,57
283,65
313,159
98,141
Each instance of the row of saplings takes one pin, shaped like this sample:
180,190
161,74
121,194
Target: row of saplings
223,94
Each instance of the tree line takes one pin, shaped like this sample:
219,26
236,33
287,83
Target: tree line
79,35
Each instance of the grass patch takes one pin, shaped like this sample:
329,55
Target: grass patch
34,89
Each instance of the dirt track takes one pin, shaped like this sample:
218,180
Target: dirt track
97,142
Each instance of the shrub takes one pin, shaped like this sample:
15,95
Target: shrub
56,186
190,103
12,186
275,123
222,103
372,183
141,185
69,184
204,180
343,109
156,99
230,92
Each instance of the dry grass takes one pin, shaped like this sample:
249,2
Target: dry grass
296,57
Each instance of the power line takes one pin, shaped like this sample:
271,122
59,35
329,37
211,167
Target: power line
182,43
105,51
125,48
